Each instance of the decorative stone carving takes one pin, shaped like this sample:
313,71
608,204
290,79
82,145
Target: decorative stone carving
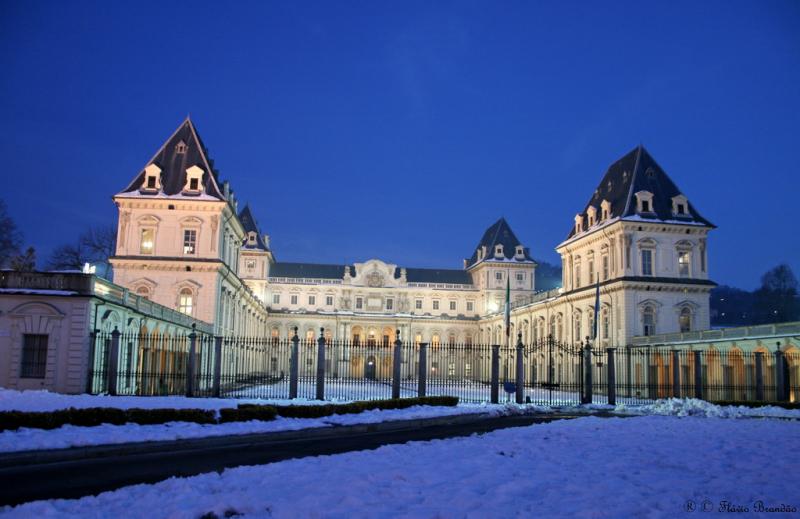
214,227
124,219
374,279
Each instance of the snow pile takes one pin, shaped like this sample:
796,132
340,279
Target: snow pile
695,407
652,466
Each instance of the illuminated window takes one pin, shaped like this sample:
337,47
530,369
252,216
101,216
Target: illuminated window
189,241
683,263
186,301
147,241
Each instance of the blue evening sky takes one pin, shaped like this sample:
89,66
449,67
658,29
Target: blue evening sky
401,130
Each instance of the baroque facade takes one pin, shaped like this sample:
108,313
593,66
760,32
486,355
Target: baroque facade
184,243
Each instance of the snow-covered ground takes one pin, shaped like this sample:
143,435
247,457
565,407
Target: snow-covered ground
71,436
652,466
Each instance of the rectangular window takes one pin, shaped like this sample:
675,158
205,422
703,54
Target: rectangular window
418,304
520,276
189,241
193,184
451,369
452,305
498,276
645,206
435,304
250,264
312,300
276,299
647,262
591,272
681,209
329,300
470,306
683,263
34,355
359,303
467,370
605,268
146,242
151,182
577,276
389,304
294,299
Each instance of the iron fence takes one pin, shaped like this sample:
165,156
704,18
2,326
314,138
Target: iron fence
545,372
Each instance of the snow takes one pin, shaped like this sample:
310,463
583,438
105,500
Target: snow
695,407
648,466
42,400
71,436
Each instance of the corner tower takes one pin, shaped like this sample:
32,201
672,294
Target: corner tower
498,259
644,241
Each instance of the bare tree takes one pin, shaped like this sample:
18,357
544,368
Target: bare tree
95,245
10,237
25,262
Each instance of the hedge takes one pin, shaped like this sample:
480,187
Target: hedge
318,411
92,416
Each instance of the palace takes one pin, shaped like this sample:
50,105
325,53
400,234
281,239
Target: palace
183,242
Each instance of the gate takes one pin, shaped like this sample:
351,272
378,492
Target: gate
554,372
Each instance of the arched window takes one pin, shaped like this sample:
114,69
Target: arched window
275,334
186,301
685,320
143,291
648,321
435,340
606,324
577,327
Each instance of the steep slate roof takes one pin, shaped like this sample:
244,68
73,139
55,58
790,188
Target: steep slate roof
250,225
413,275
174,165
499,233
307,270
452,276
638,171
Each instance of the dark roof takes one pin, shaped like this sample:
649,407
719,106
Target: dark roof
250,225
499,233
174,164
413,275
638,171
307,270
453,276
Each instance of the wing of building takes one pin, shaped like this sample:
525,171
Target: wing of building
183,242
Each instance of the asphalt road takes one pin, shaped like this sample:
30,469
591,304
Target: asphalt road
73,473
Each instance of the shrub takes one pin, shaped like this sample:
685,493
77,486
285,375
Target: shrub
245,413
318,411
785,405
159,416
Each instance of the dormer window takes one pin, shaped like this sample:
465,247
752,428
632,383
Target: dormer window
194,180
152,178
578,223
498,251
180,147
591,214
520,252
644,202
680,206
605,210
251,238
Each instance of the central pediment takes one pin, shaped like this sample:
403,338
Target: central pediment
375,273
